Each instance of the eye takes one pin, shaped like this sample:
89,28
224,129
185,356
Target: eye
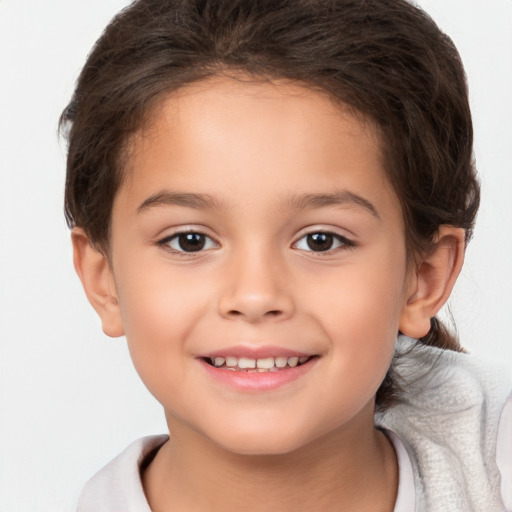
189,241
322,241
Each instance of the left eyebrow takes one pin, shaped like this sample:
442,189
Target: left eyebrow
188,200
341,197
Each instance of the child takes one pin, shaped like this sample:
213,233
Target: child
271,200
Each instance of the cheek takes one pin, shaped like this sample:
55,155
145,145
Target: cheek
159,311
156,297
360,313
366,297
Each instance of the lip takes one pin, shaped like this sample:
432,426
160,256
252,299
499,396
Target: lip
256,382
254,352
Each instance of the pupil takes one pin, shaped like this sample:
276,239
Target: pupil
191,242
320,241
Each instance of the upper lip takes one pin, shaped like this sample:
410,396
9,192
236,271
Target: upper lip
252,352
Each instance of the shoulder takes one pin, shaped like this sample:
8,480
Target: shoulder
449,412
504,453
437,381
118,486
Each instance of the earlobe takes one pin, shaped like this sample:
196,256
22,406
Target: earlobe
95,273
432,281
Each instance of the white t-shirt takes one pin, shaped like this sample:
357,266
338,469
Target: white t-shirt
118,487
451,430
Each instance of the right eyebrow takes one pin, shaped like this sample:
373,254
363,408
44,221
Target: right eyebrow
340,197
188,200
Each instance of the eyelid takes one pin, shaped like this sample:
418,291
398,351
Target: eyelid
199,230
346,242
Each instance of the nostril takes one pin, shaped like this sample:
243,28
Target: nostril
271,313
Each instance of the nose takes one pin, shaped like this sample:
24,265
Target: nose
256,289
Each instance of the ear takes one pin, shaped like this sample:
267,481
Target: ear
431,281
94,270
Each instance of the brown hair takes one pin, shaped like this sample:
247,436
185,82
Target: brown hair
385,59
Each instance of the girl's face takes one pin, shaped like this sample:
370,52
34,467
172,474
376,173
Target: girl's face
256,228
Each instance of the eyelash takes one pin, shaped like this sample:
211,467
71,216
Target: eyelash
167,241
343,242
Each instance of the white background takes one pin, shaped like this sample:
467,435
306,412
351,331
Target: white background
69,397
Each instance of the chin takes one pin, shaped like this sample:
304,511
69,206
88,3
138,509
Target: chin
263,441
261,447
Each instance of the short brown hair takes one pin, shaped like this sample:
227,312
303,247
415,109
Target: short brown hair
385,59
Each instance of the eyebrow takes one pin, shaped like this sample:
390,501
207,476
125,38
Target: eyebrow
188,200
298,202
340,197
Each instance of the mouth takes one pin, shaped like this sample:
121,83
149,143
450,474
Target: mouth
260,365
257,369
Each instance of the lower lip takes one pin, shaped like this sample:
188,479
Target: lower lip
257,381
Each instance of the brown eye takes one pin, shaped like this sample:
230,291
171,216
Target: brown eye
320,241
189,242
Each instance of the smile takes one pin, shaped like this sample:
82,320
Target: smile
260,373
261,365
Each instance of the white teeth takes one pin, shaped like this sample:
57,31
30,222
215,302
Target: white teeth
231,361
245,362
293,361
281,362
266,363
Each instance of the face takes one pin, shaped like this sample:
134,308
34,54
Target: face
259,264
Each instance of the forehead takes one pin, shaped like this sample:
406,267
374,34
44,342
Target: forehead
235,138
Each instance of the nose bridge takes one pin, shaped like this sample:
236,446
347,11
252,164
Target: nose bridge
256,286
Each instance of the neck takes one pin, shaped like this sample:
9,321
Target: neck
351,469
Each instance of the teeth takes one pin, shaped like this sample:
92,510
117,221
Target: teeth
245,362
293,361
281,362
266,364
219,361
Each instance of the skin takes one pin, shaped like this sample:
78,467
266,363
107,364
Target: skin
255,149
